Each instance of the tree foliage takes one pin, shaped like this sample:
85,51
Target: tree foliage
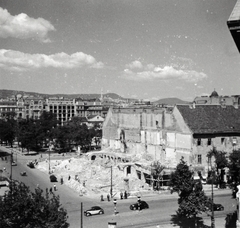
221,162
8,127
21,208
234,170
192,199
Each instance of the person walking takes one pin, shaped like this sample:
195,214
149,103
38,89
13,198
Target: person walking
55,187
50,190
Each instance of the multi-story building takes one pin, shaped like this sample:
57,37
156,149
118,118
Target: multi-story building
63,108
34,106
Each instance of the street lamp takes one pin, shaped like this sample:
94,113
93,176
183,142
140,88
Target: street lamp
212,217
49,168
115,206
11,160
111,191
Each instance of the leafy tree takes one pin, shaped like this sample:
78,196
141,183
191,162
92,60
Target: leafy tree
220,163
21,208
192,199
28,134
234,170
156,172
8,127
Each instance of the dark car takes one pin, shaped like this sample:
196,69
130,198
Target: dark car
218,207
96,210
142,204
53,178
31,165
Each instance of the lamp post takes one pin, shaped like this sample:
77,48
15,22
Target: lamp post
111,193
11,160
49,166
115,206
212,217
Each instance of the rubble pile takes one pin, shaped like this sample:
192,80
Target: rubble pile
92,177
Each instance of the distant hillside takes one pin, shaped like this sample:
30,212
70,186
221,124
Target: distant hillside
9,93
170,101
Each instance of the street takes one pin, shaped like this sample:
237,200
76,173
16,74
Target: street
161,206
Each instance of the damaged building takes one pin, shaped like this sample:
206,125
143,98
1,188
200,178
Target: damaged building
166,135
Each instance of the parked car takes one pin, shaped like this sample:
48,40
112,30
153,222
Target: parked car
53,178
95,210
142,204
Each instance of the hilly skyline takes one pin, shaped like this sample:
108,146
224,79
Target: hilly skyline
9,93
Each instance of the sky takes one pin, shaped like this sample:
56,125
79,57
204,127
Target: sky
143,49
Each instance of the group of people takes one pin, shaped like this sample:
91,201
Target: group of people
51,189
122,196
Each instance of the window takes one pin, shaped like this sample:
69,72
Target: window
199,142
209,142
234,140
199,159
222,140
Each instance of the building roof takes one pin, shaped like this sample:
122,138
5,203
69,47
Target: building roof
211,119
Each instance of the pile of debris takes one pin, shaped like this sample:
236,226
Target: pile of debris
93,177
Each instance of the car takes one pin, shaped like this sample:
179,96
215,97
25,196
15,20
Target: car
31,165
218,207
14,163
53,178
142,204
95,210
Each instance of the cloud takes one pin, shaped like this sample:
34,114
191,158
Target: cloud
19,61
135,65
152,72
24,27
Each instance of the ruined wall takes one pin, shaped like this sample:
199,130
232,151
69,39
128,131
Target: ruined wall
152,121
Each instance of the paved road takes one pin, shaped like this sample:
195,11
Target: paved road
162,206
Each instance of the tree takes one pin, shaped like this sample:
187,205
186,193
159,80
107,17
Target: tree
8,127
156,171
20,207
220,163
234,170
192,199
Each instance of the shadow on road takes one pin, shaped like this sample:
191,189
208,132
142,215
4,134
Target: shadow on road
184,222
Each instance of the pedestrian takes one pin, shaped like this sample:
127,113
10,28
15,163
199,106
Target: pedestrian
121,195
55,187
108,197
125,195
102,198
69,177
50,190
